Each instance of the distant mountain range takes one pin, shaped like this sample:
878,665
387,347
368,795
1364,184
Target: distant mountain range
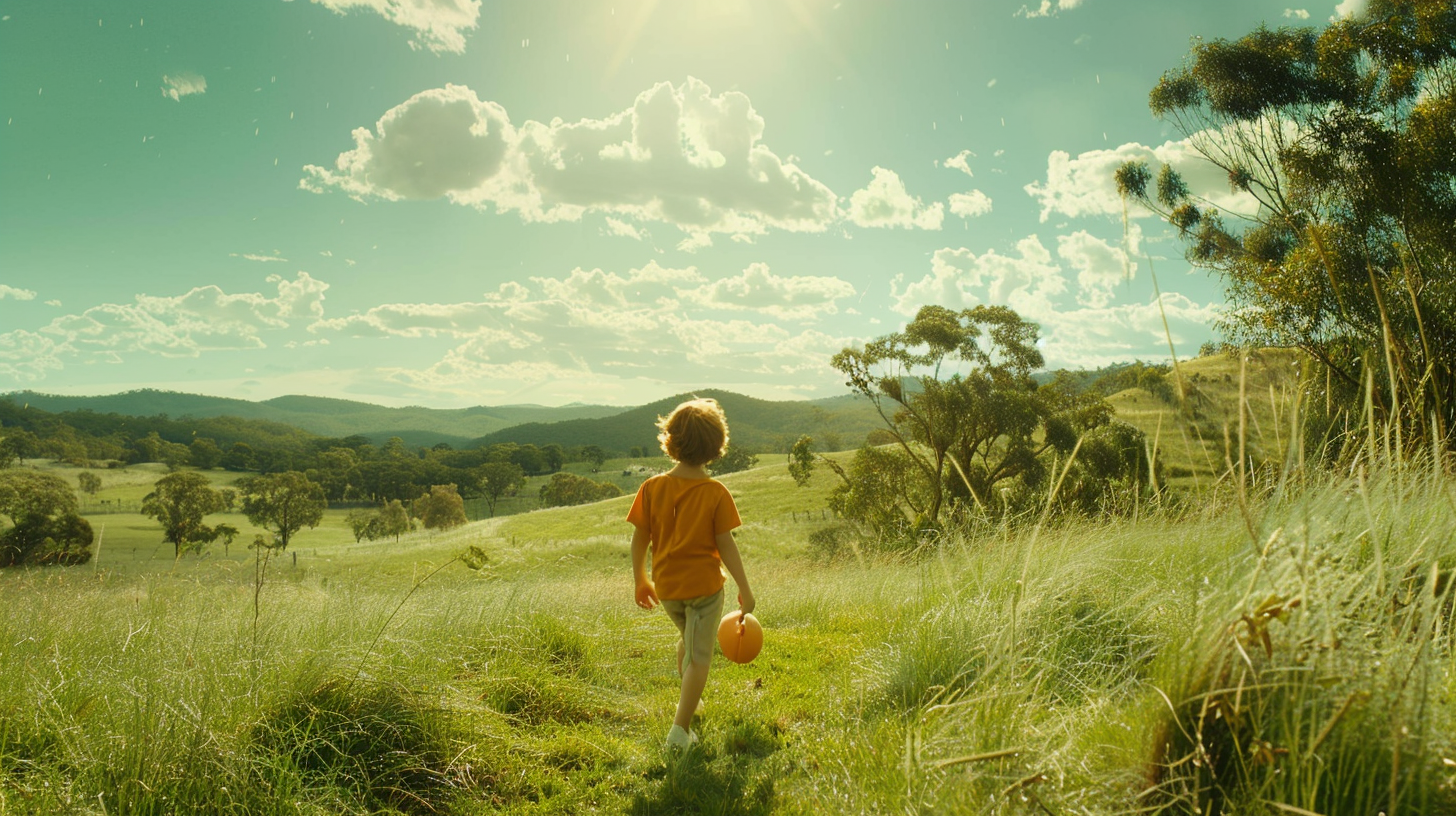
323,415
760,425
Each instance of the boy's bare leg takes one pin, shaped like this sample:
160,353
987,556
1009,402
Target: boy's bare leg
681,650
694,678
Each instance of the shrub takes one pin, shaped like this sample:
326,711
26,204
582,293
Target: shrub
567,489
440,509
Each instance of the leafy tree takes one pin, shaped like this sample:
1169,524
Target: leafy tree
441,508
334,467
205,453
566,489
90,483
239,457
530,458
1346,138
44,525
364,524
873,492
18,444
282,504
64,444
555,456
180,501
497,480
734,459
1112,462
389,478
801,461
595,455
394,520
964,416
394,448
153,448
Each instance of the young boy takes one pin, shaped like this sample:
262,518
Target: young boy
686,518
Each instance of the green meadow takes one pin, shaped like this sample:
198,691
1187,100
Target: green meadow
1287,652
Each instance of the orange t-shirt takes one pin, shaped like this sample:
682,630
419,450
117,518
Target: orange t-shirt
682,518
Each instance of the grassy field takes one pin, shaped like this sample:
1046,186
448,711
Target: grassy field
1178,664
1197,445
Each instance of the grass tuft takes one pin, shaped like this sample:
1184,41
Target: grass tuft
375,744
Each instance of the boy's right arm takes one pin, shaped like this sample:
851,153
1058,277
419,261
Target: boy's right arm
728,551
645,591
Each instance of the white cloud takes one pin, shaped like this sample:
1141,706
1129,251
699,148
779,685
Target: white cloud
885,203
204,319
803,297
15,293
958,162
184,84
1100,266
249,256
27,356
1048,8
441,142
1350,8
439,25
659,323
1296,14
623,229
970,205
1091,334
695,242
1084,185
1096,337
679,155
960,279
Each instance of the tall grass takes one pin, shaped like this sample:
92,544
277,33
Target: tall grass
1175,664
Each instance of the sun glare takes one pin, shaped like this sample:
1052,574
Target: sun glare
754,27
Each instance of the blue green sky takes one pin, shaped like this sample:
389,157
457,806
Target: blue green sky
460,202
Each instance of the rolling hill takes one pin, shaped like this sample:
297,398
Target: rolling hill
417,426
757,425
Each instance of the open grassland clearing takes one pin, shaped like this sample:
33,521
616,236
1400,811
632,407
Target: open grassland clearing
1087,667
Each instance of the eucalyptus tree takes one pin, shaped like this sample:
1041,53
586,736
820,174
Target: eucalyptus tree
963,412
496,480
283,504
1346,139
181,501
45,527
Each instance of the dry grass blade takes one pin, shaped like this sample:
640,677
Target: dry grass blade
1022,783
986,757
1299,811
1168,333
1335,720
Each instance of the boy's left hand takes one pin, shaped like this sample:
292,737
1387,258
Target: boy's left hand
646,594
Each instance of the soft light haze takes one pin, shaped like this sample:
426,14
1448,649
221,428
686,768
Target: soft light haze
457,202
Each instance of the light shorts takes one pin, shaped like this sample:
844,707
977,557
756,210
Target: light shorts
697,621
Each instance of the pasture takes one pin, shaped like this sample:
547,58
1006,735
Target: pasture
1088,666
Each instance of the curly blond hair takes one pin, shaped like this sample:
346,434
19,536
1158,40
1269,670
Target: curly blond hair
695,433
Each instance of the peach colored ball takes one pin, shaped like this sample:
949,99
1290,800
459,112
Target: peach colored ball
740,642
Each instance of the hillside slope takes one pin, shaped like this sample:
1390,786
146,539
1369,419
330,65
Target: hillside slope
1195,447
322,415
755,424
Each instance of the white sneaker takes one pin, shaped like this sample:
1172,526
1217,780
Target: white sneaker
679,738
